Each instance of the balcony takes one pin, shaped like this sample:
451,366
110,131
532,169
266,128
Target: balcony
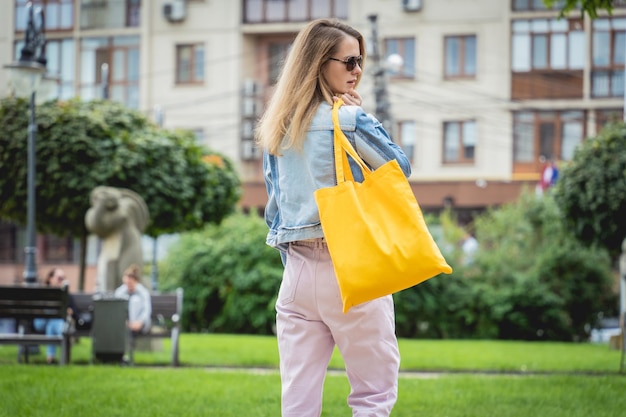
289,11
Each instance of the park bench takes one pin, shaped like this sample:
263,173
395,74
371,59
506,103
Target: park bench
26,303
166,315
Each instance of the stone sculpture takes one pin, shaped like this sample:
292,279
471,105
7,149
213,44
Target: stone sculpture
119,217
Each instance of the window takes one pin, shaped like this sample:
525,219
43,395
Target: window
58,249
405,47
407,137
251,110
572,134
121,53
8,242
542,44
200,135
133,12
61,61
608,43
460,56
264,11
190,64
277,54
60,66
605,117
58,14
459,141
98,14
520,5
545,135
524,5
523,134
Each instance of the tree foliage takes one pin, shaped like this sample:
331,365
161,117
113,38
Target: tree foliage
531,279
591,7
591,191
81,145
230,276
545,284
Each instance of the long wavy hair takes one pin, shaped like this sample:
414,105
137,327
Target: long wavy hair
301,86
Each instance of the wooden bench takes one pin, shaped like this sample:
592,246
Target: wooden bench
166,315
26,303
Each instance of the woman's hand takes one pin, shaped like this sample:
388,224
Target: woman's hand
135,325
351,98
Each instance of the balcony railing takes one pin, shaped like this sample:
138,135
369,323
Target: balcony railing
281,11
109,14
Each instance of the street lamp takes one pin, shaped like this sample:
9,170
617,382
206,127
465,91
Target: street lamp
26,75
393,63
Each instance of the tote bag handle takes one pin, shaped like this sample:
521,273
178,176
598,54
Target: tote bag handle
343,146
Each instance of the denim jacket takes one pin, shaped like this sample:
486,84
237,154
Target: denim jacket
291,179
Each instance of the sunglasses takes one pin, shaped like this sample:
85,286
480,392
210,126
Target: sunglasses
351,62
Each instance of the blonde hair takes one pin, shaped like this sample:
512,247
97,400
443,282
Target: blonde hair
301,86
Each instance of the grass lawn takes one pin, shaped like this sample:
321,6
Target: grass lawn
508,379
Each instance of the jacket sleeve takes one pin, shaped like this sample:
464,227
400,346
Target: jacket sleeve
120,292
272,215
146,302
374,144
271,209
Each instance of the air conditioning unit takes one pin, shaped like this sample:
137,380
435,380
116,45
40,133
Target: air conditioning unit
175,10
412,5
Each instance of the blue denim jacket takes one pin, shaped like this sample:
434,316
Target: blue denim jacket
291,179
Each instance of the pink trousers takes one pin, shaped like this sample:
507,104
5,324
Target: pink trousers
310,322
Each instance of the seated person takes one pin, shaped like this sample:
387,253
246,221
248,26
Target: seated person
53,327
139,302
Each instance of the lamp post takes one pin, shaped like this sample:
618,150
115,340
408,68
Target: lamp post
380,86
159,117
393,62
26,75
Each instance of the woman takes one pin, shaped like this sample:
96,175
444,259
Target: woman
53,327
296,132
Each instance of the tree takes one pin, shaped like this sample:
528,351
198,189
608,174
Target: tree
81,145
590,7
540,280
591,191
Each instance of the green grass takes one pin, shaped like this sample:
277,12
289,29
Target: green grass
423,355
480,378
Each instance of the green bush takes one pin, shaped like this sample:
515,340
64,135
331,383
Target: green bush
438,308
544,283
230,276
531,280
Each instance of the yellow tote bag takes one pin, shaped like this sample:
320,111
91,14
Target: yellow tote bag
375,230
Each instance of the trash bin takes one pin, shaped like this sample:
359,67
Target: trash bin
109,329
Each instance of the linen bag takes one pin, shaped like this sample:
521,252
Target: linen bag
376,234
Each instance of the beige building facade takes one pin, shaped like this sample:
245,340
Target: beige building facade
488,94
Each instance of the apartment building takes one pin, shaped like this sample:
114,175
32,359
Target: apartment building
488,92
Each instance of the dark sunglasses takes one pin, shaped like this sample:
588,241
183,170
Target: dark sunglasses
351,62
